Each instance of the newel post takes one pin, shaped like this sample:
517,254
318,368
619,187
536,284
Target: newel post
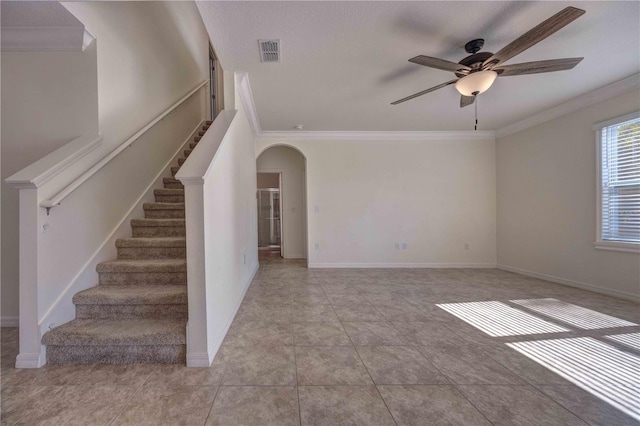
31,353
197,342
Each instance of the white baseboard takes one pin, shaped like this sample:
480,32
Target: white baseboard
9,321
205,359
30,360
198,360
401,265
571,283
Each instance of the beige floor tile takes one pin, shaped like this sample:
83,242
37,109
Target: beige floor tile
261,366
65,405
431,334
330,365
518,405
588,407
259,405
339,300
180,376
469,364
358,313
259,333
430,405
399,365
317,313
402,313
320,334
374,334
343,405
168,405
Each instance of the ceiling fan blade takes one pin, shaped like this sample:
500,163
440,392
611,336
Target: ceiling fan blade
466,100
424,92
441,64
537,67
535,35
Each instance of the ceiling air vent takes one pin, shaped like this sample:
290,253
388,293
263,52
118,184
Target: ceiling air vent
269,50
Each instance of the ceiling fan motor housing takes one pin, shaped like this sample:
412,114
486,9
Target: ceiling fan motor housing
474,62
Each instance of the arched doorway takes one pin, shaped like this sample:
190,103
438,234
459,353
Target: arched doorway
282,202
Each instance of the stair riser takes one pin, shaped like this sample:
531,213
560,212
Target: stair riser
197,138
157,231
152,253
174,170
164,214
187,152
132,311
174,185
159,278
169,198
115,354
193,145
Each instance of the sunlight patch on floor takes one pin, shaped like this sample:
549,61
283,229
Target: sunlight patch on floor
571,314
498,319
630,339
603,370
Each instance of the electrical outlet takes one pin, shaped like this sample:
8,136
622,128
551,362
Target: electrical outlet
244,259
404,246
317,246
45,227
316,209
397,246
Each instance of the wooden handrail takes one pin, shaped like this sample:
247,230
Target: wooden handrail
57,199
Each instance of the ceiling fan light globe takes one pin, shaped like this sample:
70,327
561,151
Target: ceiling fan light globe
476,83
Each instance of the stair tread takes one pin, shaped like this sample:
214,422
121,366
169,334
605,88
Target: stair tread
132,295
163,206
157,222
168,191
142,265
118,332
151,242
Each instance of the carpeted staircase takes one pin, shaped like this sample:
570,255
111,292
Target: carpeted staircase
138,311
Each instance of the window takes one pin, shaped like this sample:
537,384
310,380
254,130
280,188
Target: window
619,183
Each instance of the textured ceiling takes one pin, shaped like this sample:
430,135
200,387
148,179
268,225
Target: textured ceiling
344,62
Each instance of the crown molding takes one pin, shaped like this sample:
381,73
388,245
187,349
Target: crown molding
602,94
379,135
43,38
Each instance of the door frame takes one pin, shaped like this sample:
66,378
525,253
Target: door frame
279,172
216,86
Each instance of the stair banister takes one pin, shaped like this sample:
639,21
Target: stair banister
57,199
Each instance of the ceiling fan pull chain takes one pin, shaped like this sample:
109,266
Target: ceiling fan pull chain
476,106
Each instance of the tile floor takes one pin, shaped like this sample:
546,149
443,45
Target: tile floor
342,347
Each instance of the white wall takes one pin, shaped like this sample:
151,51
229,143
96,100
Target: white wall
222,235
48,99
291,164
433,195
149,55
547,203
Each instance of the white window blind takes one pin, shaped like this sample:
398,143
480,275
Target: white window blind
620,181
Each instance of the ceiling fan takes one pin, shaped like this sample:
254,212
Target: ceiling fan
477,72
